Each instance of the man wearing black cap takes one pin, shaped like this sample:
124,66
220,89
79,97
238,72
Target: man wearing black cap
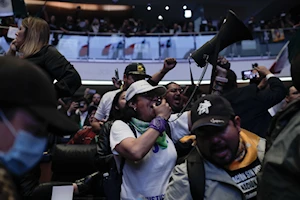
230,156
133,72
27,110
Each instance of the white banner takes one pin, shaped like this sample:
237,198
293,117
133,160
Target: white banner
6,8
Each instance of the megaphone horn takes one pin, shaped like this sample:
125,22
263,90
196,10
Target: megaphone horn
231,31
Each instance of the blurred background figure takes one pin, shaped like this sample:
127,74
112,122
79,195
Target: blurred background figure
32,43
86,135
27,113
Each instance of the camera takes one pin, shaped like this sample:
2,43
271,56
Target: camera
81,104
250,74
254,65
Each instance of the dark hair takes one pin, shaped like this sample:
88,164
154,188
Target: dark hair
167,85
288,89
129,112
231,84
116,113
91,109
82,99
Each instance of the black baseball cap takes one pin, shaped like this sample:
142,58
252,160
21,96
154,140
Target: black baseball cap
136,68
22,84
211,110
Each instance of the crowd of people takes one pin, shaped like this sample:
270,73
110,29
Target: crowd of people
150,142
139,27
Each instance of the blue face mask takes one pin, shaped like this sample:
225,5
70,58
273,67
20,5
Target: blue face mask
26,151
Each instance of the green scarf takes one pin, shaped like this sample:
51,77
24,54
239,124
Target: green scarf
142,127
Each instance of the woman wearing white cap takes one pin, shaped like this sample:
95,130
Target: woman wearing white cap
150,156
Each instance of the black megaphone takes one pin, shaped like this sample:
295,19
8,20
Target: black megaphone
231,31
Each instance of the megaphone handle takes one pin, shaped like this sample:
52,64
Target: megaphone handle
219,80
193,93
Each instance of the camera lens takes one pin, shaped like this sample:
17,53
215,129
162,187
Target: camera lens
254,65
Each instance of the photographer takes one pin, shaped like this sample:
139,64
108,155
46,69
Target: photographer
78,112
252,102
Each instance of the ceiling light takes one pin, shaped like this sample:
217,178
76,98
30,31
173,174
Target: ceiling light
148,7
73,6
167,7
184,7
160,17
187,13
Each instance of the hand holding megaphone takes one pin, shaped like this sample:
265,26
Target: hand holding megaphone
223,62
220,80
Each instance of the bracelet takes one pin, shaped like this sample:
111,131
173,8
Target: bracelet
158,124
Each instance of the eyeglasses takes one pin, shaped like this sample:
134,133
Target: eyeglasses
150,96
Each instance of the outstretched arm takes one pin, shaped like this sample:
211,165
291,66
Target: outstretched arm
276,91
169,64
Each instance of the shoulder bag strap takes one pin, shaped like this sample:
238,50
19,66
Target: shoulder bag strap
196,174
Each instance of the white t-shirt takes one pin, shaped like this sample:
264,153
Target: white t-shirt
149,177
105,105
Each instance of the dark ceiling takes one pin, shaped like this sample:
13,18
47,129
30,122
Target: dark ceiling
262,9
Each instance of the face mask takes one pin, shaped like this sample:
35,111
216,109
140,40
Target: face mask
26,151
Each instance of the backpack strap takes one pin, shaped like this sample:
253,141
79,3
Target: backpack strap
123,159
168,131
196,174
132,129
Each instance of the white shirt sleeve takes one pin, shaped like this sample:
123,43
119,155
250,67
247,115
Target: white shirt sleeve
104,106
269,76
100,113
179,127
118,132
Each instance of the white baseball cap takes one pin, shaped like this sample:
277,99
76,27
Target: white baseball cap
143,86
